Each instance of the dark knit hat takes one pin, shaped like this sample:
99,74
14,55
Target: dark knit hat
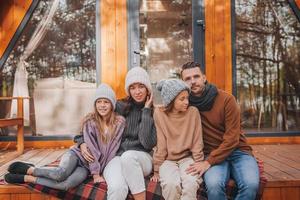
170,88
105,91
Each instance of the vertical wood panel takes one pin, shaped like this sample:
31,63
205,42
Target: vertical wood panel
219,40
271,193
114,44
218,43
4,196
209,43
12,13
290,193
20,197
121,47
298,3
228,47
108,42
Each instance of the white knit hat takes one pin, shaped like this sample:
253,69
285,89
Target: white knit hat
170,88
105,91
137,75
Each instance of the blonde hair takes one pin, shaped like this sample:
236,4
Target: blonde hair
99,121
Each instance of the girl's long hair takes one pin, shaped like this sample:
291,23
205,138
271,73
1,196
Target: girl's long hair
99,121
169,107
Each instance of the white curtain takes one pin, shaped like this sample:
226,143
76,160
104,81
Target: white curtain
21,76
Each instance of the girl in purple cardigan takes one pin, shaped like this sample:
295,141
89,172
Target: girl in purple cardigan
102,132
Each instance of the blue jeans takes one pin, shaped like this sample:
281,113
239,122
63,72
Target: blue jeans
240,166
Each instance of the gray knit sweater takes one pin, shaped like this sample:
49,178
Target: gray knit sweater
139,133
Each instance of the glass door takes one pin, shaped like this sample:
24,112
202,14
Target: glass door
163,35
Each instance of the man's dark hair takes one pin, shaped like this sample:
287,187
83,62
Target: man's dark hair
189,65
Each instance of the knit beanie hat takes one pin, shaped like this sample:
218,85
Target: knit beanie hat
137,75
105,91
170,88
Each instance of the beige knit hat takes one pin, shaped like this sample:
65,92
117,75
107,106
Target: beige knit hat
137,75
105,91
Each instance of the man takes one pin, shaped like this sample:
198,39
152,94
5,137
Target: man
227,154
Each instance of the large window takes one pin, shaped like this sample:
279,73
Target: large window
268,65
61,70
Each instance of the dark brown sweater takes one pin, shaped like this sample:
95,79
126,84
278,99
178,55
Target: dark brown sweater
221,127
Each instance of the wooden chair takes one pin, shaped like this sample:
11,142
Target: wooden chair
19,121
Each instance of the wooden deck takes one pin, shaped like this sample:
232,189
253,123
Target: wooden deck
282,168
38,157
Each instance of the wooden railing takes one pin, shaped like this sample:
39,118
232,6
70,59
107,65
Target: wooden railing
18,121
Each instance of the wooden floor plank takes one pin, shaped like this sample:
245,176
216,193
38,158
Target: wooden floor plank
38,157
57,153
275,171
6,157
291,152
23,157
279,156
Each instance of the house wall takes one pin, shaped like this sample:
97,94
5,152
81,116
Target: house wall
11,15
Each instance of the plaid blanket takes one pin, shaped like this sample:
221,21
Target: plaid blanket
89,191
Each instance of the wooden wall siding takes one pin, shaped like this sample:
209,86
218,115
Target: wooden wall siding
11,15
218,50
298,3
274,140
114,44
22,193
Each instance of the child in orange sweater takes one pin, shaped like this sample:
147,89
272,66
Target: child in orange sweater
179,142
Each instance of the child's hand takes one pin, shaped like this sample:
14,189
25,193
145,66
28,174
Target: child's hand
155,177
98,179
85,152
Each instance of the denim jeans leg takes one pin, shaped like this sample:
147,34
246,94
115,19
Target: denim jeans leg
245,172
215,179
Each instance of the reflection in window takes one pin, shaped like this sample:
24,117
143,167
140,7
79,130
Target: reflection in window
165,37
59,68
268,65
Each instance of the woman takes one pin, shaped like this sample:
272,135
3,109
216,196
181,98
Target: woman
134,162
179,142
102,131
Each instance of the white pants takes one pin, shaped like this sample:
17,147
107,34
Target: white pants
176,183
127,171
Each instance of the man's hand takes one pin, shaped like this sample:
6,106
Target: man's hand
155,177
85,152
198,168
98,179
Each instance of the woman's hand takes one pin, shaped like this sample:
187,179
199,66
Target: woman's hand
98,179
85,152
155,177
149,100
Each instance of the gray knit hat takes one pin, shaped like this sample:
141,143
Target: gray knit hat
170,88
137,75
105,91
